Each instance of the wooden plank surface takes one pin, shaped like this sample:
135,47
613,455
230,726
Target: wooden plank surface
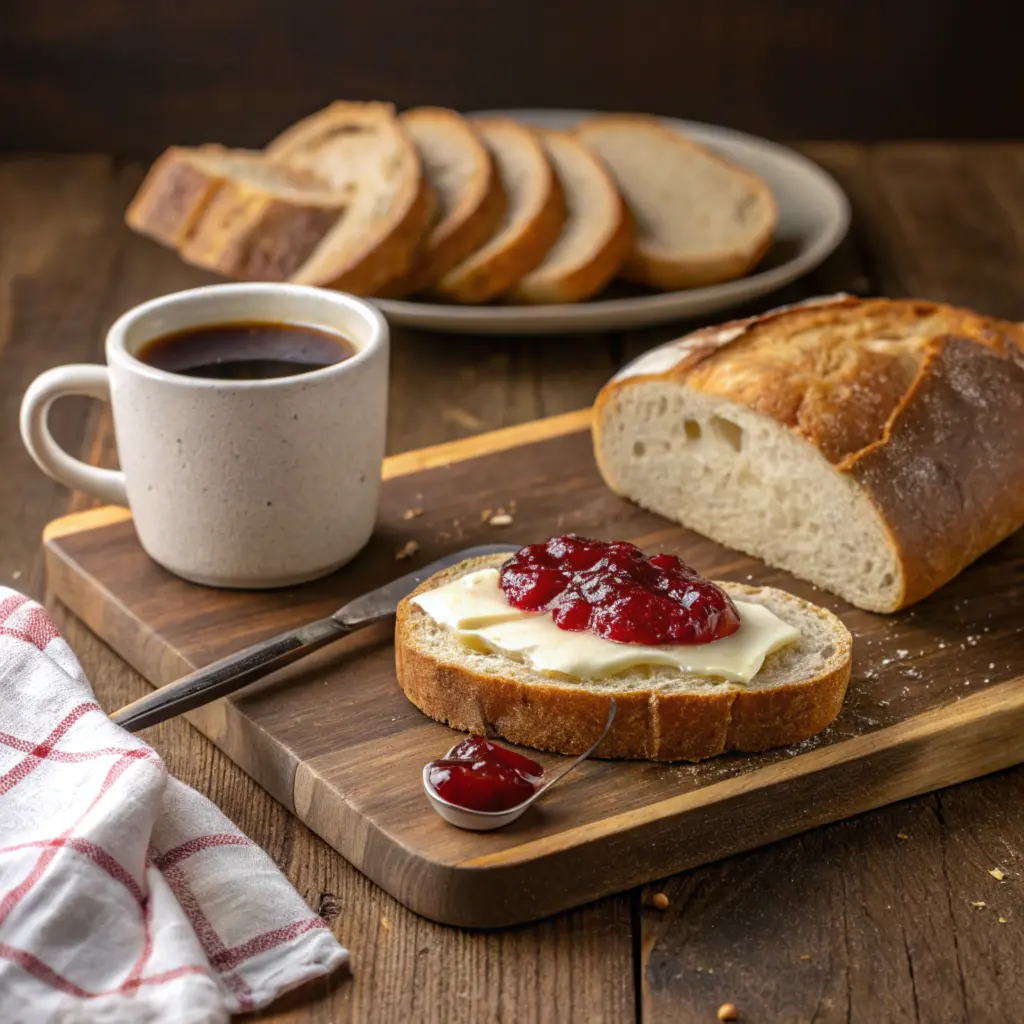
928,955
925,708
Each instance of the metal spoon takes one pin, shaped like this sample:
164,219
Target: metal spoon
486,821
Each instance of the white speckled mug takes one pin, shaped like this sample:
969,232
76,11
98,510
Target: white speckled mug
235,483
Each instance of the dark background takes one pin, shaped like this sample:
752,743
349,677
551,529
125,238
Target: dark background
130,76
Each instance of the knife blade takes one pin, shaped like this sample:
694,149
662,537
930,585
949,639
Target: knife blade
246,666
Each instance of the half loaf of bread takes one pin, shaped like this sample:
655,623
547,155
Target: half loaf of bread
662,714
872,446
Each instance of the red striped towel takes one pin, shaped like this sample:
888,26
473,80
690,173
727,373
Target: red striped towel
124,894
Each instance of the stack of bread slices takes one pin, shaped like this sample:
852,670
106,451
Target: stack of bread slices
359,198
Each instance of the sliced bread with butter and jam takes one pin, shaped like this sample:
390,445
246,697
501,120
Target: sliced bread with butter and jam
468,657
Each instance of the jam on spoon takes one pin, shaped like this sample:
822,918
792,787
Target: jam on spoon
615,591
481,776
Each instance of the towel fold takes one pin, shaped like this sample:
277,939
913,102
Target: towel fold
124,894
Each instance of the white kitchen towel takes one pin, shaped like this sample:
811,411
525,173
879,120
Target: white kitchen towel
124,894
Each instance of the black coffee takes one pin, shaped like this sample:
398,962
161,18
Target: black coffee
250,350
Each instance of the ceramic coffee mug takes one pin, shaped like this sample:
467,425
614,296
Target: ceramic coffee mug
234,483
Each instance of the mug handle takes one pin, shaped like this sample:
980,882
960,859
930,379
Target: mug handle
80,379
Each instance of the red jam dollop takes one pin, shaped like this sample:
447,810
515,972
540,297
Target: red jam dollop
615,591
482,776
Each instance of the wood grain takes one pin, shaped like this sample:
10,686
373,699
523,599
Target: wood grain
308,734
888,923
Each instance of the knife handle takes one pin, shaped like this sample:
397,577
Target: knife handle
229,674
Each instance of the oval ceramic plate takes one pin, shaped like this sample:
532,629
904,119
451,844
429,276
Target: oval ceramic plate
813,217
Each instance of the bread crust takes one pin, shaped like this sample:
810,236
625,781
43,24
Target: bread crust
668,271
475,281
173,196
648,725
387,250
930,426
467,227
604,262
253,235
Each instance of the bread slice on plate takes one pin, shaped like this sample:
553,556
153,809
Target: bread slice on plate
470,198
182,185
597,234
534,213
700,219
362,151
661,714
260,222
872,446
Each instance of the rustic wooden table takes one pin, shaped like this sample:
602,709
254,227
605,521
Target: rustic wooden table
893,916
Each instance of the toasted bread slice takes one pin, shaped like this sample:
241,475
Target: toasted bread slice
470,198
183,182
597,234
661,714
534,213
700,219
362,151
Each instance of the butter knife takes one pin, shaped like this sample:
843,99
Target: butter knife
246,666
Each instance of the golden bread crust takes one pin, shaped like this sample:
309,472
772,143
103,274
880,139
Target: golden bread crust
920,402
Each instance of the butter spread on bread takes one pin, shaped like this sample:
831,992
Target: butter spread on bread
872,446
476,611
664,713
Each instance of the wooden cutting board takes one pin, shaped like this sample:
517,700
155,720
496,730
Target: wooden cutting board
937,694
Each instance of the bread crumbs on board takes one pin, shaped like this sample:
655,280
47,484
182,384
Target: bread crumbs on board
997,874
407,550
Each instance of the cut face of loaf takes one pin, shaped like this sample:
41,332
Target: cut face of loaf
872,447
662,714
735,475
